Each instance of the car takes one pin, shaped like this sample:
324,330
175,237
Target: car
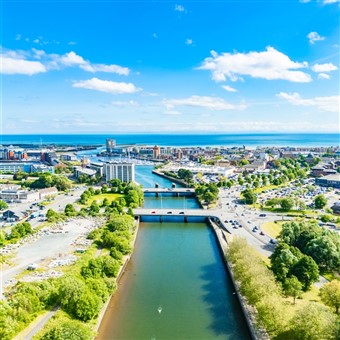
169,212
181,212
272,241
153,212
262,215
235,226
261,233
255,229
225,221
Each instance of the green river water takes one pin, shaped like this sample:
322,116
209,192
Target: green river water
175,285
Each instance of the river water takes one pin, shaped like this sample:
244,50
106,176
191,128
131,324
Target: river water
175,285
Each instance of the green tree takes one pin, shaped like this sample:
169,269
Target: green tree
313,322
87,305
320,201
70,210
286,204
3,205
68,329
330,295
306,271
249,196
293,287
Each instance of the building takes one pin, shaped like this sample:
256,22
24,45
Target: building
110,145
125,172
336,208
18,195
47,192
13,216
78,171
156,152
329,181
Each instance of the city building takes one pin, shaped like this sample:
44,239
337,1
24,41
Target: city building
122,171
156,152
110,145
329,181
18,195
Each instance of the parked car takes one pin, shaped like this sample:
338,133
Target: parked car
262,215
272,241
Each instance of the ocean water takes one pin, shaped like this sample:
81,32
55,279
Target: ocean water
228,140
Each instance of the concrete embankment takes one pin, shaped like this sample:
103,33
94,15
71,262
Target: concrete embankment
175,180
222,241
119,276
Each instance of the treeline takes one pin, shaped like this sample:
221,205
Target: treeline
47,180
81,293
19,231
257,284
321,244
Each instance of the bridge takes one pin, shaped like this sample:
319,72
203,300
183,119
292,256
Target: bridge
185,213
170,191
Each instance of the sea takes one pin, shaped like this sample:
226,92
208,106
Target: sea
180,140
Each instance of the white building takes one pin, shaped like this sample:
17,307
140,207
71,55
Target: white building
122,171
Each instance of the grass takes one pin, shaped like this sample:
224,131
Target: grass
99,198
330,276
271,228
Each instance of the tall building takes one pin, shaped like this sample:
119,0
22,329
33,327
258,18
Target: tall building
156,151
122,171
110,145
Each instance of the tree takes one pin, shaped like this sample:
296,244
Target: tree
320,201
306,271
70,210
249,196
87,306
293,287
3,205
286,204
313,322
68,329
330,295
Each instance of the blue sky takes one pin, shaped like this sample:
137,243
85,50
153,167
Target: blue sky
164,66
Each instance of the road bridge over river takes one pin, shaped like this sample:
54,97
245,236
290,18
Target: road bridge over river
170,191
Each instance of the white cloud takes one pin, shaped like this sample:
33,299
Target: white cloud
305,1
229,88
330,104
324,76
154,35
72,43
324,67
270,64
314,36
328,2
55,61
210,103
106,86
172,113
18,37
189,41
125,104
179,8
10,65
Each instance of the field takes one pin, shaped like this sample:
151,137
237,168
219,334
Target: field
272,228
99,198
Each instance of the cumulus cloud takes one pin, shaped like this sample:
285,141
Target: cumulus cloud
330,104
13,60
314,36
270,64
324,76
229,88
12,65
106,86
179,8
189,42
324,67
210,103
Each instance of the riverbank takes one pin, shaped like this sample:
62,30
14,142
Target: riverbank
175,180
121,271
222,241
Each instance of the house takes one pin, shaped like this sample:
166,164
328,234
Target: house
336,208
78,171
13,216
47,192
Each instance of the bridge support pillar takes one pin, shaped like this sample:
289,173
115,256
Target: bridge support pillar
177,194
160,219
185,219
157,194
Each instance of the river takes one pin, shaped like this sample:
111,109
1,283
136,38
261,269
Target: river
175,285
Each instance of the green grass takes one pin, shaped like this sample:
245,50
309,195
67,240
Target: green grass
271,228
330,276
99,198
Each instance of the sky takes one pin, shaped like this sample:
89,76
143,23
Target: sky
233,66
